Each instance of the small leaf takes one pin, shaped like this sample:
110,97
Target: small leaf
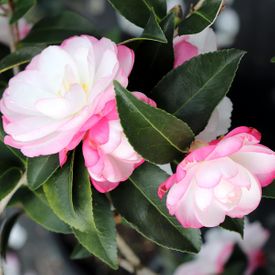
156,135
193,90
236,225
201,17
40,169
8,181
53,30
6,229
273,59
137,201
269,191
100,239
19,57
151,56
80,252
21,7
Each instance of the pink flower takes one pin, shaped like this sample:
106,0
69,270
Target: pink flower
221,178
189,46
48,107
5,36
108,155
219,246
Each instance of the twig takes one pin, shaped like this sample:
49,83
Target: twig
5,201
131,263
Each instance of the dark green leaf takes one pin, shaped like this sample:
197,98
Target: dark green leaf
193,90
21,7
151,56
53,30
37,209
100,239
5,233
137,201
80,252
273,59
156,135
40,169
236,225
159,6
19,57
69,194
269,191
201,17
8,181
237,262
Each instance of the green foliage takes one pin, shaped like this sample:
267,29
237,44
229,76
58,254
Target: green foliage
19,57
156,135
269,191
37,208
53,30
202,16
236,225
40,169
80,252
21,7
192,91
6,229
137,201
273,59
8,181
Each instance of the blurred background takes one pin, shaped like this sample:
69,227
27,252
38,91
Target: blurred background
243,24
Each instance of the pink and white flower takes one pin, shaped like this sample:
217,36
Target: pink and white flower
219,246
46,107
221,178
5,35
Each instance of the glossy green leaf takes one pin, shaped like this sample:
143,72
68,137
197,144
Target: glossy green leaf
80,252
151,56
69,194
137,201
6,229
21,7
53,30
236,225
193,90
37,208
202,16
8,181
19,57
269,191
40,169
156,135
138,11
100,239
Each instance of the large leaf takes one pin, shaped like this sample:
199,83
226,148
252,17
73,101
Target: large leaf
236,225
153,60
137,201
21,7
269,191
19,57
40,169
138,11
193,90
156,135
8,181
202,16
6,229
37,209
69,194
53,30
100,239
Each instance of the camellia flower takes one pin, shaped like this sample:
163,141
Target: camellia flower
108,155
5,35
45,107
221,178
219,247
